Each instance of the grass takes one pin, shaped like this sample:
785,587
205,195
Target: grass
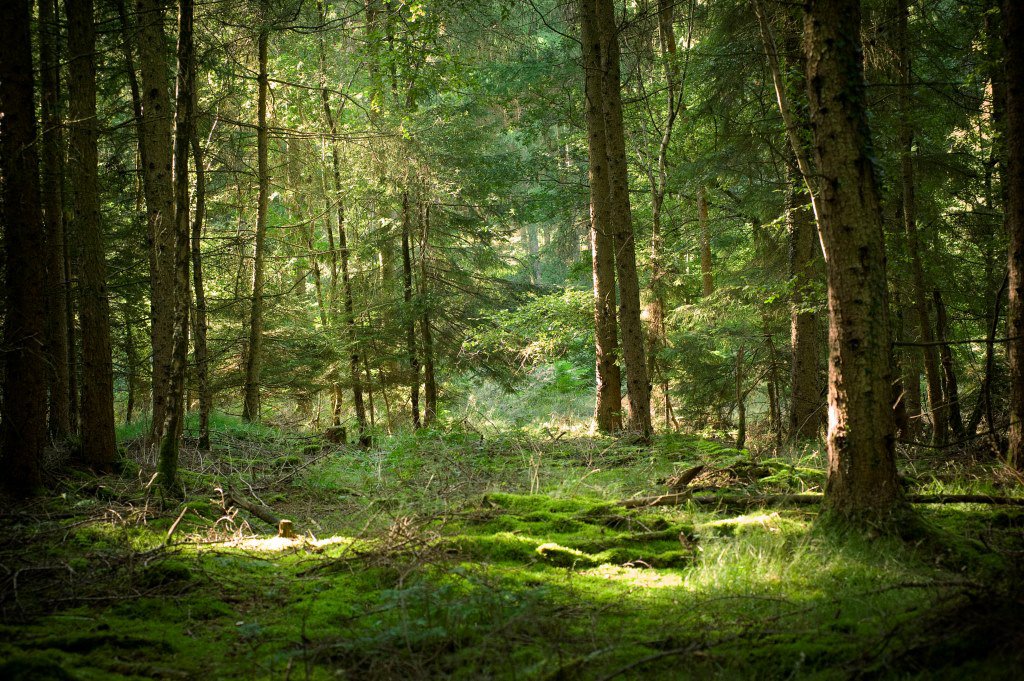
446,555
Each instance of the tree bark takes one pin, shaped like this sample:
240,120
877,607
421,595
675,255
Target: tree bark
608,407
199,345
1013,28
98,443
53,217
254,354
23,425
410,325
170,444
155,146
805,405
621,221
861,436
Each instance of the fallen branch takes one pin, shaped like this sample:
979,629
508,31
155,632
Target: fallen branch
805,500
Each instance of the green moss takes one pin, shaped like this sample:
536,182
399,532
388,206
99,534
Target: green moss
34,667
165,573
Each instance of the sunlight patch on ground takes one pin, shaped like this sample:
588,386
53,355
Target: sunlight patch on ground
632,576
273,544
768,521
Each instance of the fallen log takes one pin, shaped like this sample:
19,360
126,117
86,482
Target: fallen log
285,528
680,498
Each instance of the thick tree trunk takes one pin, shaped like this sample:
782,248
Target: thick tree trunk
707,276
254,353
53,218
608,408
806,413
1013,28
98,445
157,177
936,403
621,221
183,132
410,324
199,345
861,435
23,424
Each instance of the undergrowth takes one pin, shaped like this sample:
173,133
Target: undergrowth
450,555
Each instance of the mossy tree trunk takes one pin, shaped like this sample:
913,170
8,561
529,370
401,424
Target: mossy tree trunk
861,436
155,144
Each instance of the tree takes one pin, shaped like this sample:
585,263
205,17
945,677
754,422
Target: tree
254,347
861,435
1013,26
939,411
155,151
200,324
638,388
57,299
183,132
23,428
608,409
97,423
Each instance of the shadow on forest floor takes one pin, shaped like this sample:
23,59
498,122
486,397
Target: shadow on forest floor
444,555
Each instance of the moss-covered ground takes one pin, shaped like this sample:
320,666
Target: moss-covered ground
449,556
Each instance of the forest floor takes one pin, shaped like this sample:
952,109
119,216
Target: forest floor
449,556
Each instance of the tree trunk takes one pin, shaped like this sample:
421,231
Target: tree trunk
1013,28
621,221
429,377
741,407
53,218
410,325
861,437
608,408
183,132
98,443
199,346
155,145
805,406
950,389
906,135
23,425
910,368
706,275
254,354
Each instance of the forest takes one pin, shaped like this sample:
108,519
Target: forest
554,339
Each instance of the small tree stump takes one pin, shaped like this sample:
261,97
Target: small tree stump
286,529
